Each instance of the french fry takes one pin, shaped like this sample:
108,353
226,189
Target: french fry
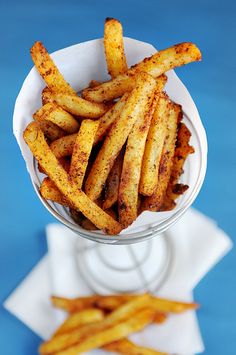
182,150
51,131
63,146
126,347
94,83
49,191
114,47
72,305
160,317
108,303
153,149
124,312
54,113
171,306
113,333
48,70
132,164
154,202
78,319
46,96
112,183
157,64
34,137
121,84
76,105
136,105
109,118
82,150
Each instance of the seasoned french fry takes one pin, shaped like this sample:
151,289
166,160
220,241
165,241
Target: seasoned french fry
108,303
63,146
82,150
154,202
54,113
49,191
48,70
46,96
112,302
160,317
94,83
171,306
76,105
126,347
157,64
131,169
35,139
112,183
51,131
78,319
136,106
153,149
124,312
114,47
72,305
109,118
182,150
113,333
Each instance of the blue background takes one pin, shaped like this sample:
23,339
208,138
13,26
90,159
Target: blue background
210,24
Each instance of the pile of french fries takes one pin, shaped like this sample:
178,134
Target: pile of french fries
106,322
119,148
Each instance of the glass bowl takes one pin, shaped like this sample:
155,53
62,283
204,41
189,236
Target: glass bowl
78,66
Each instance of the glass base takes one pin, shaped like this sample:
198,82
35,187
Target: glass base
128,268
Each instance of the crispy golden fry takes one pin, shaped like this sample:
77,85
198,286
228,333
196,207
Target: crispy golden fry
108,303
153,149
63,161
75,104
124,312
35,139
159,63
94,83
48,70
72,305
154,202
115,332
160,317
112,183
49,191
54,113
131,169
82,150
171,306
114,47
51,131
112,89
112,302
182,150
78,319
109,118
63,146
126,347
46,96
136,106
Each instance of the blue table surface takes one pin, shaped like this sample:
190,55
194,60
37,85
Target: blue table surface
212,26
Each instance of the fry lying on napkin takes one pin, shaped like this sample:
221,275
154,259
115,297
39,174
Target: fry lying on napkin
105,322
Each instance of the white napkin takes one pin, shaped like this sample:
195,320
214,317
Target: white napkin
198,245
